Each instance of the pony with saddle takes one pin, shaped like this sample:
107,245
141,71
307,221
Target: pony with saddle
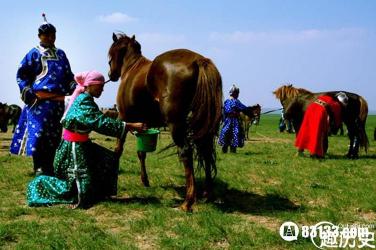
9,114
252,117
354,115
179,88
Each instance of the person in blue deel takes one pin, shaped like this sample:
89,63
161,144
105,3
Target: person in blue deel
232,133
44,78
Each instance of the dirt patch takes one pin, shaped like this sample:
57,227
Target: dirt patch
369,216
263,138
115,222
271,224
145,242
5,140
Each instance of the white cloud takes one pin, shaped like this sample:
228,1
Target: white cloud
287,36
116,17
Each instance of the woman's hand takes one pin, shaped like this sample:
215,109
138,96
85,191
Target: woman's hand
136,126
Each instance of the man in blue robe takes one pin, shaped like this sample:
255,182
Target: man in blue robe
232,133
44,78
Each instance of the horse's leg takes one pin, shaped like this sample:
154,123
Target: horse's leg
208,188
351,134
356,144
144,175
185,152
186,157
119,147
247,130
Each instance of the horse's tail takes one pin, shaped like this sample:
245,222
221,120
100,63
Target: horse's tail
363,113
206,112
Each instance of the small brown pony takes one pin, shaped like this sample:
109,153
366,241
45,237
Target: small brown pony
179,88
354,115
253,117
9,114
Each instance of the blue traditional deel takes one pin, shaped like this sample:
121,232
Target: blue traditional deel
47,70
232,133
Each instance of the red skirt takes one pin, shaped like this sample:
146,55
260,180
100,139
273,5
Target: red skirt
313,130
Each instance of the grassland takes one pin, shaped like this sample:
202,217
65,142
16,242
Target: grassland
257,189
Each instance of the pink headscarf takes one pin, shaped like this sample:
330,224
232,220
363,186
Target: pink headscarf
83,80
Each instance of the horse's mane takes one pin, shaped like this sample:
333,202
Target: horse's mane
123,39
288,91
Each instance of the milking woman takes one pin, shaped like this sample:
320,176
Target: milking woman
85,172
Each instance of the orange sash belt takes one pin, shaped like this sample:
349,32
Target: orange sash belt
43,95
74,137
321,102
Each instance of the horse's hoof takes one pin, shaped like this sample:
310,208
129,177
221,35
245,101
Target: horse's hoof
186,207
145,182
352,156
208,196
355,157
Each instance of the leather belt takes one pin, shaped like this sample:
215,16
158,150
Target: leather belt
43,95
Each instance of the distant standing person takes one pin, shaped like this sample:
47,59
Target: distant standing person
321,115
285,123
44,78
232,133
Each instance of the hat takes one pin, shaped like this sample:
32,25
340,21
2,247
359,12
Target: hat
342,97
83,80
234,90
46,27
88,78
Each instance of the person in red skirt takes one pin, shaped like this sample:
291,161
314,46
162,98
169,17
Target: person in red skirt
320,116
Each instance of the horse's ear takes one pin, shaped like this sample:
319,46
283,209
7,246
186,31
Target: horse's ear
114,37
133,38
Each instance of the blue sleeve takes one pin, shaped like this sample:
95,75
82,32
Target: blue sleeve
28,69
69,76
240,105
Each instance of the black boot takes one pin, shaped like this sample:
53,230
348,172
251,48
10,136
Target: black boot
233,149
224,149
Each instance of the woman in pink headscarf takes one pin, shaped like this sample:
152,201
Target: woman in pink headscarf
85,172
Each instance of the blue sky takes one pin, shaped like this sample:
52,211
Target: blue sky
259,45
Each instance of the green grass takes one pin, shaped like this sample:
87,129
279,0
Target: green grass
256,190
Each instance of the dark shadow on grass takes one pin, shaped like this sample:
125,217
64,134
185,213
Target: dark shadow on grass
368,156
135,200
342,157
250,153
231,200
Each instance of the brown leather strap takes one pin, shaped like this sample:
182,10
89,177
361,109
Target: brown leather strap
42,95
321,102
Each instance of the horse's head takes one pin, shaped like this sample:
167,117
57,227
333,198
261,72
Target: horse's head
288,94
123,49
4,118
256,112
253,112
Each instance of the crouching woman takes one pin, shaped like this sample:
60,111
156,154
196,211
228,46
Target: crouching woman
84,171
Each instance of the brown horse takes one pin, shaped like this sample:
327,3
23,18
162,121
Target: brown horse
354,115
179,88
9,114
252,117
